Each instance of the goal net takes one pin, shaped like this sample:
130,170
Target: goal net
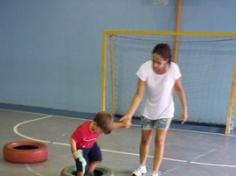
206,64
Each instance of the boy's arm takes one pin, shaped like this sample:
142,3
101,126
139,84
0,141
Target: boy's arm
77,153
123,124
73,147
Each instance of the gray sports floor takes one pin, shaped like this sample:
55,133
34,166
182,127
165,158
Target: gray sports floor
188,153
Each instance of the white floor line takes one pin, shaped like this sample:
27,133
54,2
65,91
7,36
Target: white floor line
30,169
15,129
192,131
26,112
171,129
134,125
204,154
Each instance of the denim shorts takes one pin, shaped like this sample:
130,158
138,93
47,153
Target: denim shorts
148,124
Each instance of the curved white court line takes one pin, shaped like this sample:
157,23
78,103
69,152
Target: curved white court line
134,125
15,129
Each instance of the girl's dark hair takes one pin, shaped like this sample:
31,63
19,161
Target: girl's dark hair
163,50
104,121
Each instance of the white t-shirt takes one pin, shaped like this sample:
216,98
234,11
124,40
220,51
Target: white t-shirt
159,101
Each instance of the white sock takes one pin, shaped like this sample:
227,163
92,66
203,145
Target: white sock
155,173
142,166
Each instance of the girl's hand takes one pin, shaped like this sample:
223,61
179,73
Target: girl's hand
184,116
126,120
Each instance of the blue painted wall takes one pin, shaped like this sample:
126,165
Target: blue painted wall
216,63
209,15
50,50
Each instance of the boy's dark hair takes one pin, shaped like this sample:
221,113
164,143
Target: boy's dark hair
164,51
104,121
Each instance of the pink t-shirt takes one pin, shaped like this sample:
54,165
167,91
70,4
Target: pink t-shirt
84,137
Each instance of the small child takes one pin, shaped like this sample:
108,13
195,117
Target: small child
84,148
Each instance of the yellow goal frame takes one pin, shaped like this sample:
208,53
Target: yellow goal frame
107,34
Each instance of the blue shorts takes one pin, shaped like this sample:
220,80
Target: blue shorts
90,155
148,124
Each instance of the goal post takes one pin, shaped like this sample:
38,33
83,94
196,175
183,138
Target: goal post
231,105
193,45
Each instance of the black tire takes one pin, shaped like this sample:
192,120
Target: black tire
99,171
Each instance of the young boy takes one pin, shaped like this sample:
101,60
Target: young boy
84,148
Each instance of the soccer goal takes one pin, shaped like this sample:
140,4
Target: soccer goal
206,61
